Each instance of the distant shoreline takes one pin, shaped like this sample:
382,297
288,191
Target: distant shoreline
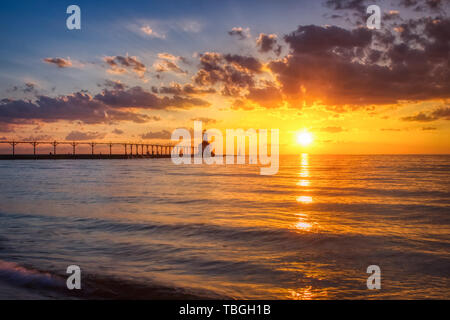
77,156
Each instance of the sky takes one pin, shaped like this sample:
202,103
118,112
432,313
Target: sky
137,70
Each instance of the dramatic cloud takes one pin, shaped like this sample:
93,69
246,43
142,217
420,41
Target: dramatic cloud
268,42
442,113
240,32
120,64
244,62
342,67
79,136
164,134
59,62
137,97
234,72
78,106
109,106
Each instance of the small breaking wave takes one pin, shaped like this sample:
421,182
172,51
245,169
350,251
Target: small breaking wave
15,274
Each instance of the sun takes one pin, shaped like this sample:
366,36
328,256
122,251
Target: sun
304,138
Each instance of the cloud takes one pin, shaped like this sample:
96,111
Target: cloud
167,65
77,106
5,127
187,89
164,134
441,113
361,67
118,131
137,97
121,64
59,62
359,5
428,128
245,62
267,97
151,33
268,42
168,62
240,32
422,5
79,136
115,84
204,120
332,129
40,137
28,87
234,72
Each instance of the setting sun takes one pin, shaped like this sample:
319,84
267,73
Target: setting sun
304,138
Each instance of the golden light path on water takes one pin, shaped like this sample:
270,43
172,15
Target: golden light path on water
303,224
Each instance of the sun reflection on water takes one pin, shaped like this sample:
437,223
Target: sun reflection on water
305,226
305,199
303,183
302,294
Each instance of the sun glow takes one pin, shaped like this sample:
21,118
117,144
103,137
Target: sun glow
304,138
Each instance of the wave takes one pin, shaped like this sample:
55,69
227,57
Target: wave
13,273
95,286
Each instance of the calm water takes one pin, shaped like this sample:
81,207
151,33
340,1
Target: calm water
150,229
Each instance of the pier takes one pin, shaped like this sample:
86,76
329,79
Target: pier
129,150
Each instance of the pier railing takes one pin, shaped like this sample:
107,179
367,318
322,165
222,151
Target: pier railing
129,148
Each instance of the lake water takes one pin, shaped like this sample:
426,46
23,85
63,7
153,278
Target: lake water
146,228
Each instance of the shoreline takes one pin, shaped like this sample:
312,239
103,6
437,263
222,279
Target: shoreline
79,156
